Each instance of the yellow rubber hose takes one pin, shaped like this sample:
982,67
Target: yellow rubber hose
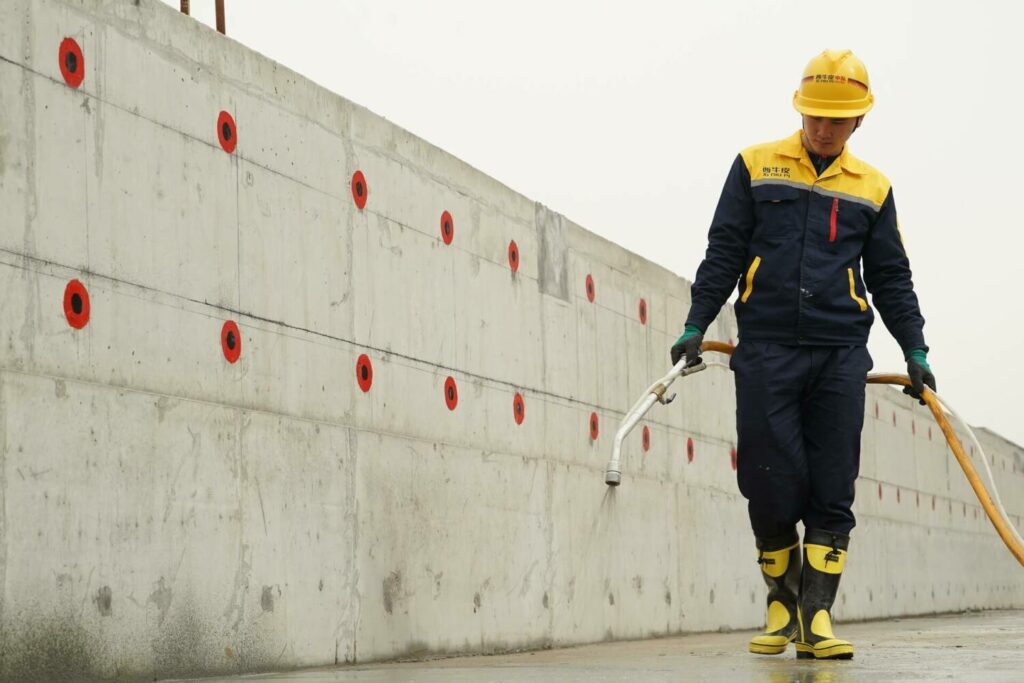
954,443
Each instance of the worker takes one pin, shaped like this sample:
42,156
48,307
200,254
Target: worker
805,231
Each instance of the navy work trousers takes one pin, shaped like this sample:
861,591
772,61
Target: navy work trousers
799,415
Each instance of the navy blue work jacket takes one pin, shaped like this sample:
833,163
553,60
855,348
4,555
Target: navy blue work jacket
804,250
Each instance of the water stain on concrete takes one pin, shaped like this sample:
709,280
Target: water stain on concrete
5,142
267,599
161,597
392,589
49,651
104,601
162,405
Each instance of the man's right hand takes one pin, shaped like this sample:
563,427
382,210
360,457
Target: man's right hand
688,345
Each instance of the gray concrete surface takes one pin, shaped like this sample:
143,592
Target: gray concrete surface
982,647
169,513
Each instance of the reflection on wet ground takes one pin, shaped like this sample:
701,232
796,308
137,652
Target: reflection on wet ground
975,647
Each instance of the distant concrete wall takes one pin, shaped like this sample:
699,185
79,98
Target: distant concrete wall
166,512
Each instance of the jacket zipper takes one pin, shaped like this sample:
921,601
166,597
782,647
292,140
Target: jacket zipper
803,247
833,220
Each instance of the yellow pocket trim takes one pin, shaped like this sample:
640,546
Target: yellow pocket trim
778,561
750,279
824,559
853,292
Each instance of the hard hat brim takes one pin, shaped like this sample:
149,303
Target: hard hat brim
831,109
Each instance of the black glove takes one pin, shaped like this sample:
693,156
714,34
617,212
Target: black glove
920,374
688,345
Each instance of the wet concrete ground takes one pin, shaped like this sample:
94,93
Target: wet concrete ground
980,646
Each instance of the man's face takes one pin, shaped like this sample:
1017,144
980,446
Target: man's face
826,137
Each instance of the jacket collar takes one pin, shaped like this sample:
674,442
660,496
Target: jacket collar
793,147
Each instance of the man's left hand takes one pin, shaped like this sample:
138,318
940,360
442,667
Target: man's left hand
920,374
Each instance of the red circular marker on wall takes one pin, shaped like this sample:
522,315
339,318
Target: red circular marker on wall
451,393
689,449
447,227
518,409
732,457
231,341
593,427
590,288
227,133
72,63
513,256
643,311
360,189
645,439
364,372
76,304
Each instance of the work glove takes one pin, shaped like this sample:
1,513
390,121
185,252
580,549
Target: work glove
920,374
688,345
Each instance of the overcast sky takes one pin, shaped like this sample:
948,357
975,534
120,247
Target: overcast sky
625,117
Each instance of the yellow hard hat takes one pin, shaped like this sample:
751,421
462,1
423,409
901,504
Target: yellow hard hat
835,85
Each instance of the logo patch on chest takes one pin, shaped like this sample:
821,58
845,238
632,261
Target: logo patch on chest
776,171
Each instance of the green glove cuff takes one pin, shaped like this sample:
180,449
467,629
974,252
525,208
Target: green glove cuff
688,332
920,356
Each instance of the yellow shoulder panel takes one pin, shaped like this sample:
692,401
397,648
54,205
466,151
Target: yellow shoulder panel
783,162
775,162
858,181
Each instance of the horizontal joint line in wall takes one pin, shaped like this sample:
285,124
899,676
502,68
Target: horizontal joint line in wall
340,197
212,144
402,161
323,335
948,529
433,237
938,496
242,408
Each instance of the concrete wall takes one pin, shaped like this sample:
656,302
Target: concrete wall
166,512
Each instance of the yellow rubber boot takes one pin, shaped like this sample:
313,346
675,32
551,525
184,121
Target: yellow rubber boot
780,566
824,560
